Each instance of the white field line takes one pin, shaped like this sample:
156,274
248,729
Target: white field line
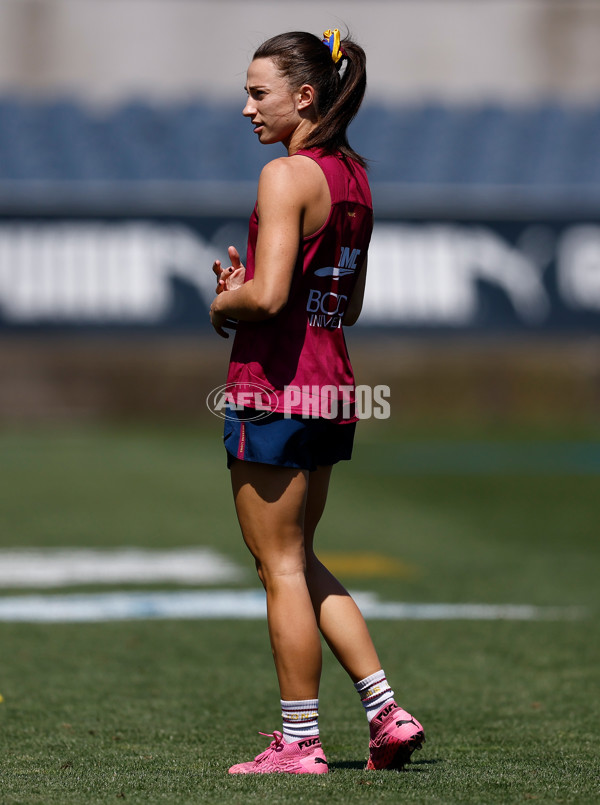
64,567
241,605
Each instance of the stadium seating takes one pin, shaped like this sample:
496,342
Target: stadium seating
546,147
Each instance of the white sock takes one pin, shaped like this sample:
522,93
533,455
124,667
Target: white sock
300,719
374,693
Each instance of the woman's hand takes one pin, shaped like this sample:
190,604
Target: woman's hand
228,279
232,278
220,320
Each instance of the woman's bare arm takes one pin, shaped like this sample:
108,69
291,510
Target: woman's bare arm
283,195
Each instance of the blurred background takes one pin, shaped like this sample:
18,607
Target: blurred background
126,168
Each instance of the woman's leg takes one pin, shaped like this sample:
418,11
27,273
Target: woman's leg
270,503
394,733
278,510
338,617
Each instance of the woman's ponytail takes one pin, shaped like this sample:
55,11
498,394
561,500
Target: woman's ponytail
331,131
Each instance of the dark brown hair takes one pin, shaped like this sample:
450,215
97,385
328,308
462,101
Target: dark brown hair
304,59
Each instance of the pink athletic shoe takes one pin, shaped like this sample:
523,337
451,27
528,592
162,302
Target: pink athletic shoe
300,757
395,734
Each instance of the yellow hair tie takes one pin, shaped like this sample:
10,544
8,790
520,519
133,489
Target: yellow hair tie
332,40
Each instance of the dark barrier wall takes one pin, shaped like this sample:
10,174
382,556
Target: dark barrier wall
431,274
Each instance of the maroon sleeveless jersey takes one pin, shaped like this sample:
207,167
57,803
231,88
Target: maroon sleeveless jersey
300,354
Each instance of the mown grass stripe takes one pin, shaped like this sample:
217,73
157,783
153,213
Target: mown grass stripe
59,567
241,605
492,458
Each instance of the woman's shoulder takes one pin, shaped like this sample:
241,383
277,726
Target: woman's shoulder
295,165
295,175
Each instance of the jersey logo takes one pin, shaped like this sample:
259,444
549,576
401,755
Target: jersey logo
348,258
333,271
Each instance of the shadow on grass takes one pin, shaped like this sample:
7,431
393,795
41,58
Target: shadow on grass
360,765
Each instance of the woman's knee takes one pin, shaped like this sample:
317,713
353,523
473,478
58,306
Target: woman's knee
273,571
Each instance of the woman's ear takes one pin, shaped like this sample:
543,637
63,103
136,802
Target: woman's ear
306,97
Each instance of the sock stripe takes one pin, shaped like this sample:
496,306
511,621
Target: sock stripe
374,692
300,719
369,681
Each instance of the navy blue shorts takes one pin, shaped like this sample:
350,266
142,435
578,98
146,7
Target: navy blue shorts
286,442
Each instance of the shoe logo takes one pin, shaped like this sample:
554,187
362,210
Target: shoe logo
309,742
407,721
320,760
386,711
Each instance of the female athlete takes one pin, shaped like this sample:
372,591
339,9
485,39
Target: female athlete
304,278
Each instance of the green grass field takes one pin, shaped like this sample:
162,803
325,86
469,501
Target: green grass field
156,710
